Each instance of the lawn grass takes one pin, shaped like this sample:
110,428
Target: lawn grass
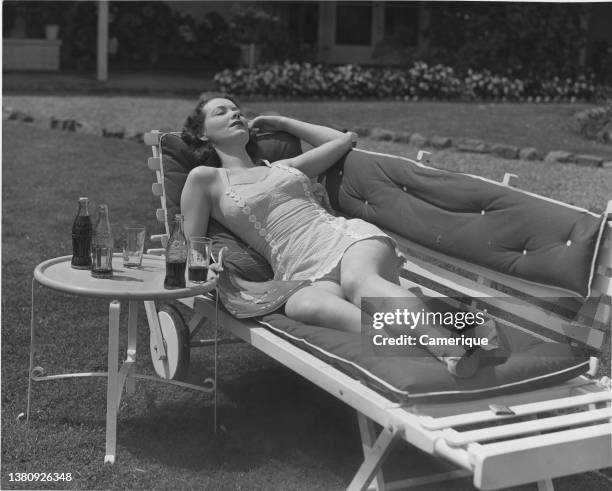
280,431
543,126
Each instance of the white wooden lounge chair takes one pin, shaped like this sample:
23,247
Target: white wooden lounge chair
503,440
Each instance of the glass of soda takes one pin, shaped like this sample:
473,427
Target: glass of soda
198,259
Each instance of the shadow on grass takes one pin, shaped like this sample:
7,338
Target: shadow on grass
263,414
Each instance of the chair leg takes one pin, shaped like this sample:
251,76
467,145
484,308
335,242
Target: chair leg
375,454
367,430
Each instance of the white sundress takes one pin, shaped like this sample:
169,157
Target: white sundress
282,220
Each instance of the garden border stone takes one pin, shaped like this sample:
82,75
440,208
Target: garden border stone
505,151
441,142
588,160
529,154
473,145
560,156
382,134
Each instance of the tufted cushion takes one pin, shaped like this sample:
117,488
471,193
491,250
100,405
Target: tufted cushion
178,160
409,376
470,218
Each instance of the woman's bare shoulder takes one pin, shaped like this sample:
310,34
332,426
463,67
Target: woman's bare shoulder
207,179
205,172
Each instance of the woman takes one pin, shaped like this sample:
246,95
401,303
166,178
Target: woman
272,209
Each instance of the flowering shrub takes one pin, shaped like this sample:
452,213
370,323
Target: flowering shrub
418,81
582,87
485,85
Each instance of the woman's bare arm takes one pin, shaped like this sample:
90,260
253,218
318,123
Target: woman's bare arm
196,203
329,144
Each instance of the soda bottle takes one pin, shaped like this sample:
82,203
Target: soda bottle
102,246
81,237
176,256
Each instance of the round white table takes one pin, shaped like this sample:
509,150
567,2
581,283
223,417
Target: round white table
145,283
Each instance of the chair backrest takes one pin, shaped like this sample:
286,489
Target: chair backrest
417,204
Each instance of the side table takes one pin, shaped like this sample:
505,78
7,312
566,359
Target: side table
145,283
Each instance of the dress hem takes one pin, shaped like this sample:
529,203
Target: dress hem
317,277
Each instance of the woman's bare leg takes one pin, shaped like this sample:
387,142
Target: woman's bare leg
369,268
323,304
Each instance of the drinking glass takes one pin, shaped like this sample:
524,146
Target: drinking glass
133,245
198,259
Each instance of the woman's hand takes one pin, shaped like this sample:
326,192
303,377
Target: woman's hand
268,122
213,271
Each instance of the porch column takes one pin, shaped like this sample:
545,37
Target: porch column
327,27
102,55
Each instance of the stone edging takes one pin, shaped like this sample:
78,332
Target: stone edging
415,139
472,145
84,127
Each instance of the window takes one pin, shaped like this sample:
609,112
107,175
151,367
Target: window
354,23
402,23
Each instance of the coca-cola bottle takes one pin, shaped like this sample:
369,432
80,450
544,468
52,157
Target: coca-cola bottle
81,237
102,246
176,256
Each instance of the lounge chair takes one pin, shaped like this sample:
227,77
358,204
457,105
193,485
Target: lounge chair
541,268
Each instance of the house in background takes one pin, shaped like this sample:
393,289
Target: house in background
358,32
336,32
377,32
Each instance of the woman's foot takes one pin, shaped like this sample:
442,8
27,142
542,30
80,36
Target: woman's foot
464,366
497,347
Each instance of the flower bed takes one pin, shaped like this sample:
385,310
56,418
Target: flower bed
419,81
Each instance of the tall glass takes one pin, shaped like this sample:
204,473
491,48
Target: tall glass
133,245
198,259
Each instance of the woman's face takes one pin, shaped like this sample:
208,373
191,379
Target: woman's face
224,123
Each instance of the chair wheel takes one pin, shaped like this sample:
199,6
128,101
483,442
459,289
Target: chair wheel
176,342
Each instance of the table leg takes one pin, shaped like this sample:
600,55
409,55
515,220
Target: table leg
32,350
132,338
112,392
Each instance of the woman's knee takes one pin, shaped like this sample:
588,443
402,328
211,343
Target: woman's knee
364,266
304,305
357,284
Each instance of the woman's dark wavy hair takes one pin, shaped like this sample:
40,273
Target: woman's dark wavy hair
193,128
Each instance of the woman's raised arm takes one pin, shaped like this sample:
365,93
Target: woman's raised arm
329,144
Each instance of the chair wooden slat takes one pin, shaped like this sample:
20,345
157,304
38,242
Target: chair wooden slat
151,138
163,238
461,438
519,410
160,214
154,163
157,251
560,453
157,188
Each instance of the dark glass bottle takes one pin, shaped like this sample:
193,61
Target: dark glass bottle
176,256
102,246
81,237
